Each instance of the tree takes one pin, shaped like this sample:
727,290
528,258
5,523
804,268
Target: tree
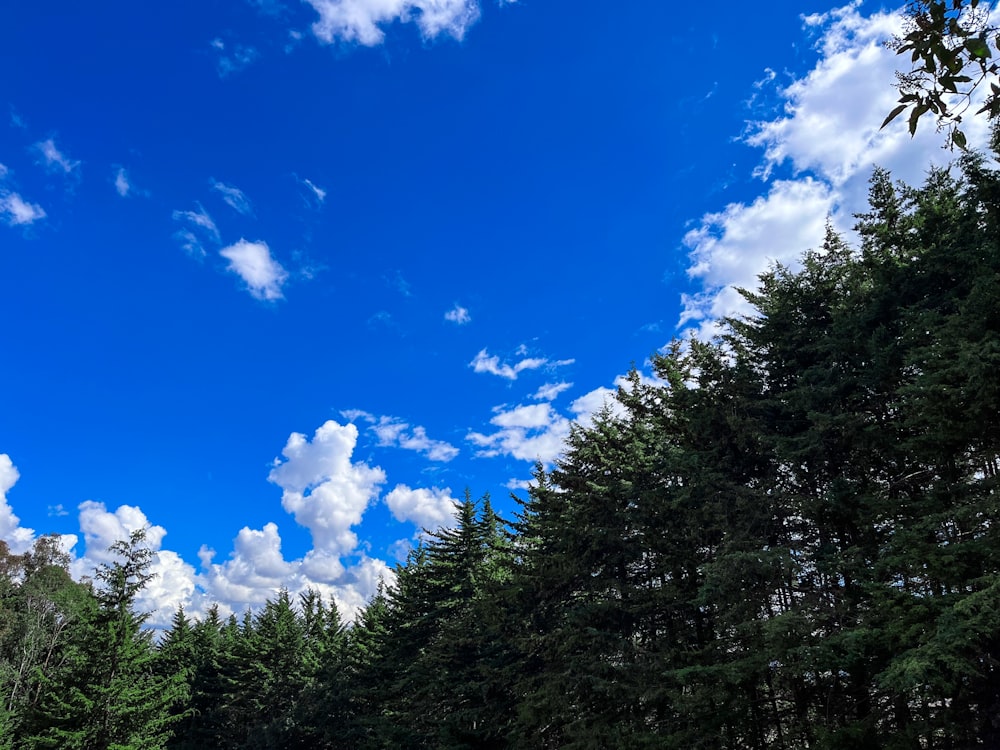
107,694
953,47
39,607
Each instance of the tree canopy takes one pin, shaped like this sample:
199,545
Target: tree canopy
787,538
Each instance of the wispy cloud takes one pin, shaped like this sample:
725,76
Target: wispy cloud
316,193
397,282
361,21
550,391
122,184
16,211
458,315
201,221
484,363
395,432
232,58
252,262
234,197
55,160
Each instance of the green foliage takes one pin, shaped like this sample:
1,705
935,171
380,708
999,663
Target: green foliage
953,49
105,694
787,539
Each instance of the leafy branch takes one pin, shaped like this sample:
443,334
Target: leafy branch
953,49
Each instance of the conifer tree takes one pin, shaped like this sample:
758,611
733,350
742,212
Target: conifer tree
107,694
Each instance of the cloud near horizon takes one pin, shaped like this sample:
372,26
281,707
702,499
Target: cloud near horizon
321,487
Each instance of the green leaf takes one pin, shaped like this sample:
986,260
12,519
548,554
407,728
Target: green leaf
958,138
893,115
978,47
915,116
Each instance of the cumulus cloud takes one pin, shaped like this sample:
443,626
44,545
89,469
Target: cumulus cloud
19,539
53,159
252,262
173,581
101,528
234,197
429,509
360,21
825,142
458,315
323,489
484,363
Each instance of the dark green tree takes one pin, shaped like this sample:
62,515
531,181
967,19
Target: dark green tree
107,694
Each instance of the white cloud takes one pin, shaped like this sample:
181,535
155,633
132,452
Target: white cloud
234,197
173,581
19,539
253,263
353,415
529,433
360,20
102,528
458,315
54,159
391,431
828,138
395,432
122,184
429,509
201,220
326,493
317,192
16,211
550,391
322,488
537,432
255,569
732,247
483,362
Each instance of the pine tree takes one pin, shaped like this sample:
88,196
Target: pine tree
107,694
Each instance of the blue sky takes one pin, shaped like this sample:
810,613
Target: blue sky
280,279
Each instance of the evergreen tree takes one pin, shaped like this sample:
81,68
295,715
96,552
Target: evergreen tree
107,695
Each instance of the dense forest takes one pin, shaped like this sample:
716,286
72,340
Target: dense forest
787,539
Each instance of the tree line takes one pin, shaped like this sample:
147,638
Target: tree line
788,539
